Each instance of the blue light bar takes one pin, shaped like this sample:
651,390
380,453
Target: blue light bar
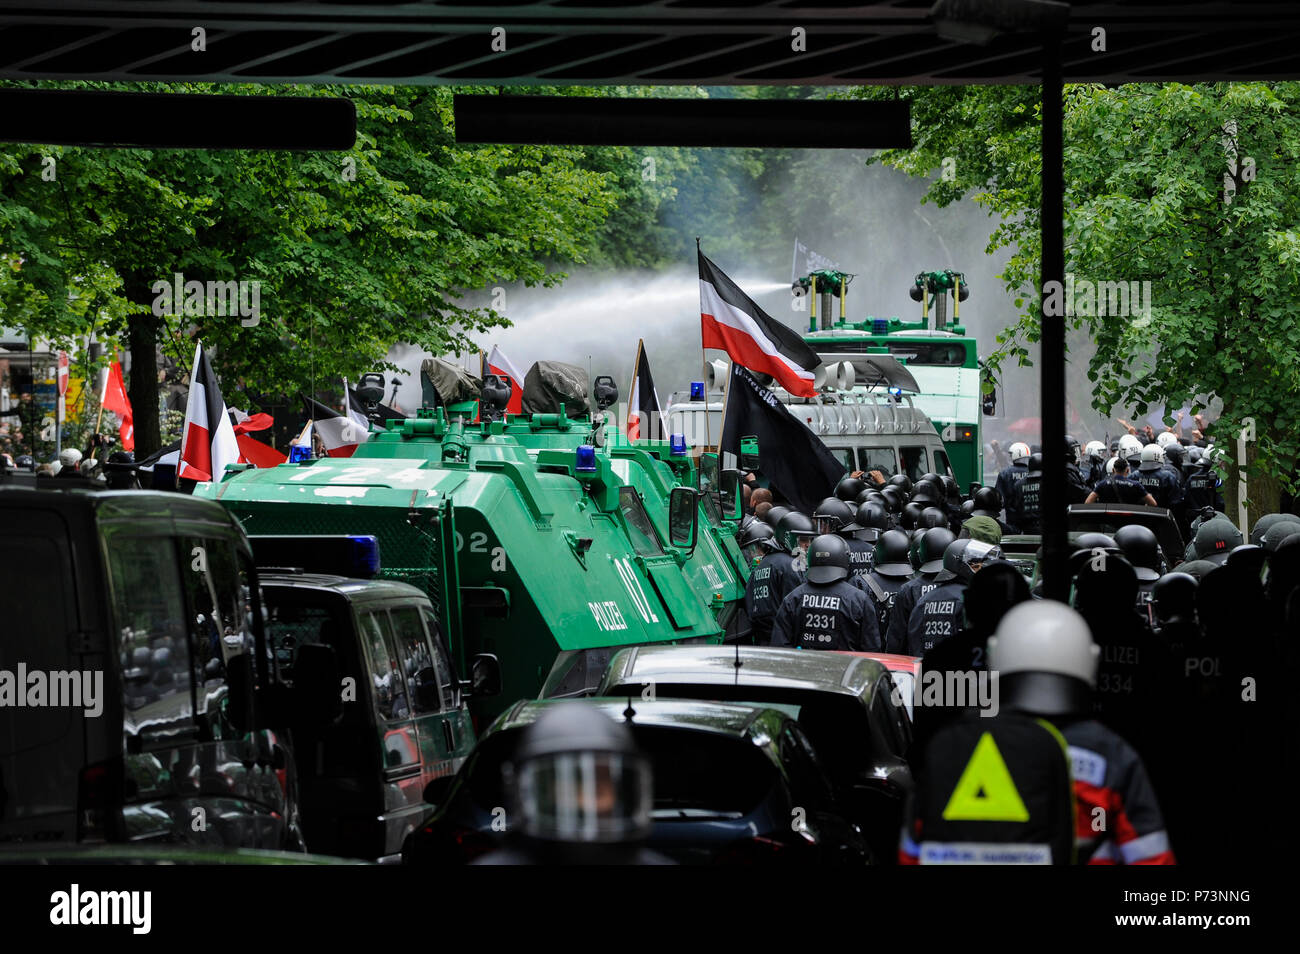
677,445
879,326
584,461
299,452
363,556
897,392
697,390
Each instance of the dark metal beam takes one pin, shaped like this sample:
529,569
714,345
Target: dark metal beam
582,120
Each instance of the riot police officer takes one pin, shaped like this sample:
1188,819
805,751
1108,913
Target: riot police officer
940,614
1046,662
1202,487
580,793
849,487
1164,488
891,569
795,531
1142,550
1028,497
1118,488
827,611
930,552
1095,454
772,578
1076,485
1010,476
840,517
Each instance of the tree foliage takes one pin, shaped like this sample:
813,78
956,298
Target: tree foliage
1146,200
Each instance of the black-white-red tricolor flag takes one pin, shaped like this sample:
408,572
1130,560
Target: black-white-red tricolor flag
731,322
645,419
208,441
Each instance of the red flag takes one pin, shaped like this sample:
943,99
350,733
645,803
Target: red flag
251,450
115,400
63,373
499,364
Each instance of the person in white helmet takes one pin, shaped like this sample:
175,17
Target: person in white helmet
1130,448
1045,661
69,463
1010,478
1163,486
1093,463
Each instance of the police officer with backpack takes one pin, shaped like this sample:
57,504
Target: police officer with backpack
827,611
890,572
1010,477
930,551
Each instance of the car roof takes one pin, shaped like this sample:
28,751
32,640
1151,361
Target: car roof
755,723
348,587
839,673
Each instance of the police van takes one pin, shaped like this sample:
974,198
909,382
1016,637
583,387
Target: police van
133,675
863,412
372,654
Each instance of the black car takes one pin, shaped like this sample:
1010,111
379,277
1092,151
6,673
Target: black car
846,704
733,784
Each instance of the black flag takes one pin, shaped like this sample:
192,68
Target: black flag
800,467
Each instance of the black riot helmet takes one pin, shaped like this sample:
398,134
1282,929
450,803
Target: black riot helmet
578,778
795,530
951,489
828,559
933,544
964,557
1035,464
849,488
902,482
1215,539
1142,549
871,493
968,509
893,499
833,515
1250,558
1174,597
773,516
909,515
25,462
1256,532
757,540
891,554
928,494
1175,453
1094,541
931,476
987,502
931,517
873,518
1192,460
1071,449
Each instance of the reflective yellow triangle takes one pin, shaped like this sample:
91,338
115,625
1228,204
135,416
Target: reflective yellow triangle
985,791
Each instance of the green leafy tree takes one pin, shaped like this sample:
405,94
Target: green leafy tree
1146,201
353,251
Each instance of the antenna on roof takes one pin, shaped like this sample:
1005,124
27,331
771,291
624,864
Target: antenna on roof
629,712
738,663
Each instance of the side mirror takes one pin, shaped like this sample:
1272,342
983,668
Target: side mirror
683,517
709,476
732,502
435,793
484,677
316,682
749,453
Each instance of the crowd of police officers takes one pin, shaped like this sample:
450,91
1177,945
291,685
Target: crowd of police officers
1163,682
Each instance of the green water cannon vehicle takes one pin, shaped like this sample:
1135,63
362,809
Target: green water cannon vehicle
533,534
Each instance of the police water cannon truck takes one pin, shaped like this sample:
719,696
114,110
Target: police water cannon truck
532,534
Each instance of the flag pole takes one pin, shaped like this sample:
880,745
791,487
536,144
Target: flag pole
704,368
722,428
631,392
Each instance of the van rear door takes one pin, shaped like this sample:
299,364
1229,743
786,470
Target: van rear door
42,744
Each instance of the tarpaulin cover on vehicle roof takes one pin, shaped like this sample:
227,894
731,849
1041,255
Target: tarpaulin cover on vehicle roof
445,383
549,384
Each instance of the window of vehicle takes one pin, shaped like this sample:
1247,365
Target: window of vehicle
913,462
387,685
577,672
941,353
697,773
887,717
941,465
413,650
639,528
446,673
878,458
220,627
845,456
149,612
712,509
808,783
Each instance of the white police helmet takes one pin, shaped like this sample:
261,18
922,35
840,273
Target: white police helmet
1019,452
1094,449
1153,455
1044,658
1129,446
1165,438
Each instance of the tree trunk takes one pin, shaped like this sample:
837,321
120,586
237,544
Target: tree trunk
1263,493
142,388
